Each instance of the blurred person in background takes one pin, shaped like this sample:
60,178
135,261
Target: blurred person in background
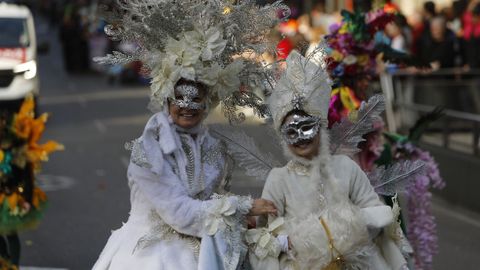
74,37
362,5
471,34
421,32
429,12
321,20
398,35
440,48
454,17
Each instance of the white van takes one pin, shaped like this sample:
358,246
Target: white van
18,53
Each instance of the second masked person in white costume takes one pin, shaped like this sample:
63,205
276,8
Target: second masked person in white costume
329,216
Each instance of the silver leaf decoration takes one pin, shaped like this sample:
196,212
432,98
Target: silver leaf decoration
395,179
346,135
245,152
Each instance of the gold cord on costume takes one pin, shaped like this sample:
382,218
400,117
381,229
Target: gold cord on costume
337,258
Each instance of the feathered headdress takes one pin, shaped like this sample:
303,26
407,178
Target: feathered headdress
214,42
304,85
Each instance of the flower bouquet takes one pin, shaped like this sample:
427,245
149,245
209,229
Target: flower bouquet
21,155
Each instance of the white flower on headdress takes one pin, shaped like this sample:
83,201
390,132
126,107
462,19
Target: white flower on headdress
164,77
208,75
350,59
210,42
185,55
228,80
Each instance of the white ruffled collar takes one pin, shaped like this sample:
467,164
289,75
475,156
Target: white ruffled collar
302,166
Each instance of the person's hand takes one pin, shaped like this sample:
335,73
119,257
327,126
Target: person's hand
251,222
262,207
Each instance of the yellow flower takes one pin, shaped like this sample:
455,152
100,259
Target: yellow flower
363,59
227,10
37,153
30,129
23,119
2,155
38,197
343,29
13,201
337,56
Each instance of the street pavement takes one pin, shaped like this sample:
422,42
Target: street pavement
86,183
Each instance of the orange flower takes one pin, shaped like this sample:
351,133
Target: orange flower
37,128
37,153
13,201
31,129
38,197
23,119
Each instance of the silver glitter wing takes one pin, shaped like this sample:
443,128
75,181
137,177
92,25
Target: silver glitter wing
347,134
396,178
245,152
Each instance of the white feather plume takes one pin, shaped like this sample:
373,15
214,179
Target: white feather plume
245,152
346,135
395,179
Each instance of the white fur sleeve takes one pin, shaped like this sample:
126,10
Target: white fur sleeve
183,213
361,191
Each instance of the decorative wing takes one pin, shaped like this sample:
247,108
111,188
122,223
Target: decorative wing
245,152
395,178
347,134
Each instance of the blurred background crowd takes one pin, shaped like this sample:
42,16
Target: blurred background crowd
447,34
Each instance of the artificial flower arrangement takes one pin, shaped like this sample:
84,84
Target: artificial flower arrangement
21,155
6,265
356,47
353,57
217,43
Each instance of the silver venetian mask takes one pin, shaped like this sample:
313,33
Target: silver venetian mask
189,97
300,128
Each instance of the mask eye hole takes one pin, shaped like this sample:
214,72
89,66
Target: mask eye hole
307,127
291,133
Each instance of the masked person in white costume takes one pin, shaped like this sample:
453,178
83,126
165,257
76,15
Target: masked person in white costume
329,216
181,216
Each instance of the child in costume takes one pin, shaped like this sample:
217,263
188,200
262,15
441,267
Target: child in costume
329,216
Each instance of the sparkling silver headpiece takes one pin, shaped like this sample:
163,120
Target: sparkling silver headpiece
305,85
218,43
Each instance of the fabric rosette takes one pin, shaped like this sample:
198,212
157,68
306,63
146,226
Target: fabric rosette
226,212
264,240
